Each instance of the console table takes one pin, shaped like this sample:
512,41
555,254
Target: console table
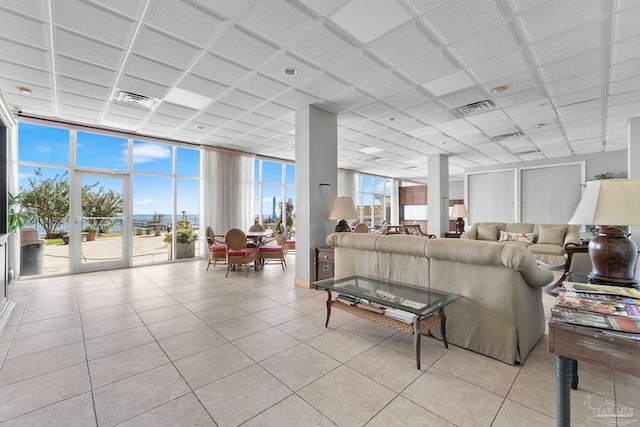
324,255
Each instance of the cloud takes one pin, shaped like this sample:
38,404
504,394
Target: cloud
144,202
44,148
145,153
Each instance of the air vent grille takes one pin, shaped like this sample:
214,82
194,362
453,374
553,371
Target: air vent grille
505,136
134,100
477,107
528,153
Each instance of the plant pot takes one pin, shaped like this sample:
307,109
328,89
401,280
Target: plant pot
53,235
183,250
91,236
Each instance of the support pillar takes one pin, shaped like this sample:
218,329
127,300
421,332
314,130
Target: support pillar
316,162
438,195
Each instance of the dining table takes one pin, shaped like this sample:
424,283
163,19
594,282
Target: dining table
259,236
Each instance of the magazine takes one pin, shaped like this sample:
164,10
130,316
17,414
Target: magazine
595,320
603,307
602,289
604,297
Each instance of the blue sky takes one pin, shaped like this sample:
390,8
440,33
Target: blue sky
50,146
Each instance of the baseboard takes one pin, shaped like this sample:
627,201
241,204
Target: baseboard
302,283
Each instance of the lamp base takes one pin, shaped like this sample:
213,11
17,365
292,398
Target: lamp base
613,258
459,226
343,227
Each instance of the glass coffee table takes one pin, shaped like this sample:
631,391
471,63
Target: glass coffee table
408,308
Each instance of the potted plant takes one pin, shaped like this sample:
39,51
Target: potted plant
156,222
64,235
185,243
105,227
92,232
17,218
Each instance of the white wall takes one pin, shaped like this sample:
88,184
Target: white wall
456,189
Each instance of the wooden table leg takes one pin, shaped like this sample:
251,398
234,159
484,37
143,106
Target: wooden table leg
443,327
328,307
563,391
574,374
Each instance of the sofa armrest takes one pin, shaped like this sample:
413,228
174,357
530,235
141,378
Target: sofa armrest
573,235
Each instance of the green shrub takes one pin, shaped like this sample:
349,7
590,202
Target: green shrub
185,235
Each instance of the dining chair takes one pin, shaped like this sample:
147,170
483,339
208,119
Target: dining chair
237,251
361,227
275,251
256,227
414,230
217,248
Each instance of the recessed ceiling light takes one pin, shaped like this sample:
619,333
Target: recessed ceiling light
290,71
498,89
393,119
200,127
24,90
539,125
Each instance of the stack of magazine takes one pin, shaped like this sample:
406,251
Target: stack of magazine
366,304
614,309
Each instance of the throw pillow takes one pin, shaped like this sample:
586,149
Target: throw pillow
487,232
523,237
552,234
505,236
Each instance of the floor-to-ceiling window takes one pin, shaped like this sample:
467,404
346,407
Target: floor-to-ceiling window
275,195
373,200
127,195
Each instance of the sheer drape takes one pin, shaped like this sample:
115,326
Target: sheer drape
347,184
227,193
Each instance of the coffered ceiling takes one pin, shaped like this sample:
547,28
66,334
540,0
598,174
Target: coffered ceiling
486,82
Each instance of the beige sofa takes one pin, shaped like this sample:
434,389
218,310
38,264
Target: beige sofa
500,313
545,241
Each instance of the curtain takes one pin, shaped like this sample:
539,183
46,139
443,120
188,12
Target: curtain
347,184
227,189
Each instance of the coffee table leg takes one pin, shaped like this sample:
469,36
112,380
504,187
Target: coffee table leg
416,341
563,391
443,327
328,307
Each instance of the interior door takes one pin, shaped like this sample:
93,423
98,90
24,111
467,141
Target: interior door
99,231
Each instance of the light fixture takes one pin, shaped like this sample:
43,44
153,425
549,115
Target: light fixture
324,189
613,254
24,90
392,119
200,127
343,209
459,211
499,89
539,125
290,71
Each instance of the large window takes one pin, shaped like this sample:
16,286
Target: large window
373,201
275,195
165,187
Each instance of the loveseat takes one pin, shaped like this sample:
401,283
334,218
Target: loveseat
545,241
500,313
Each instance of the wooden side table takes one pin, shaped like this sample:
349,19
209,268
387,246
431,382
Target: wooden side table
452,235
324,255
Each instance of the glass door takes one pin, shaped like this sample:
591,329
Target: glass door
99,232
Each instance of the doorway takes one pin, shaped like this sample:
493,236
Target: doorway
100,229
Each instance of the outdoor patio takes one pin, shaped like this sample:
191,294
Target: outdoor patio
146,249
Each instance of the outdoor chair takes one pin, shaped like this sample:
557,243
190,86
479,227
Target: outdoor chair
276,251
217,248
237,251
361,228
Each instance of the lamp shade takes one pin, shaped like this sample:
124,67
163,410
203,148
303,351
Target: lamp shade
343,208
609,202
459,211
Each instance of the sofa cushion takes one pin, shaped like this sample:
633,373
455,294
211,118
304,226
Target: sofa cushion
546,249
519,227
551,234
487,232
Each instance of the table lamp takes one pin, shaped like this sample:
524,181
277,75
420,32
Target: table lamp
459,211
604,203
343,208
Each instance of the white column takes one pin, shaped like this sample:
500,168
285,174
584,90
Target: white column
633,165
316,162
438,195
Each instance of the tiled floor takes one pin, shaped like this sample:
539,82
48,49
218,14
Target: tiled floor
176,345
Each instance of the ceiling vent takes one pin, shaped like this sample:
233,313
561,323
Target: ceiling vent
505,136
528,153
477,107
134,100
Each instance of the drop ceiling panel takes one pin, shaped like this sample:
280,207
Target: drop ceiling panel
175,110
322,47
23,29
572,42
81,87
576,83
553,17
131,8
403,44
151,70
274,110
457,19
358,67
81,101
576,97
74,113
33,8
94,21
183,20
244,48
125,110
366,20
385,85
324,86
25,74
628,26
279,21
465,97
262,86
85,71
164,48
622,86
503,66
201,86
579,64
86,49
142,87
407,98
295,99
627,49
224,110
276,65
352,98
25,55
487,44
215,68
428,67
258,120
241,100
